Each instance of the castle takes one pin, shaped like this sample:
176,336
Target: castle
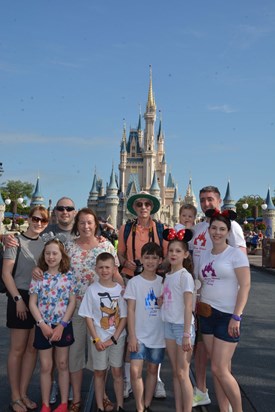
142,167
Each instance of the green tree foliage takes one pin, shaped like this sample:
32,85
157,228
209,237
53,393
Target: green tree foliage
253,203
13,189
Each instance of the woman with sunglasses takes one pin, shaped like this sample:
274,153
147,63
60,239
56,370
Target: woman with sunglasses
22,355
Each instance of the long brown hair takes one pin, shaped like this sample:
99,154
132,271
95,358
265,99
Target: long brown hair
187,262
65,262
85,211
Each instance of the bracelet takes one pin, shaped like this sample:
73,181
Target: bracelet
113,340
186,335
39,322
95,340
64,324
236,317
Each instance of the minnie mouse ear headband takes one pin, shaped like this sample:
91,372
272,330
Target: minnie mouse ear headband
60,237
183,234
228,214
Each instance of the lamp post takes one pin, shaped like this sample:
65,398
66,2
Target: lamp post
1,169
14,203
254,207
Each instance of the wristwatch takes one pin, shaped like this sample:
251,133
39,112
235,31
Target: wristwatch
39,322
17,298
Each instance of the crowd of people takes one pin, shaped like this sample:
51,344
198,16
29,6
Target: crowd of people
80,300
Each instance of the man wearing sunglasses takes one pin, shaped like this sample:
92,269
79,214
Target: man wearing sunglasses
141,231
65,213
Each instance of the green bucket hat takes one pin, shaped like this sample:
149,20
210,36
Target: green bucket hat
143,195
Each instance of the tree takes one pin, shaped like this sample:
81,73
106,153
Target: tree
13,190
254,206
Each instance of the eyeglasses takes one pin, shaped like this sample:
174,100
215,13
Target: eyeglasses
146,204
36,219
62,208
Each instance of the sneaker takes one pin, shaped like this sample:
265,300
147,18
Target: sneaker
54,392
200,398
63,407
160,391
127,389
45,408
71,395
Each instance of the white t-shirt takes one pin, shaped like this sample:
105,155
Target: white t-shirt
106,307
201,240
149,326
175,285
219,282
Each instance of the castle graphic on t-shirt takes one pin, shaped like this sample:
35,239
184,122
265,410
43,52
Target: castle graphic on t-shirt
200,240
151,303
208,273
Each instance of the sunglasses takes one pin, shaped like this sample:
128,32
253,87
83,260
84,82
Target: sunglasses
146,204
36,219
62,208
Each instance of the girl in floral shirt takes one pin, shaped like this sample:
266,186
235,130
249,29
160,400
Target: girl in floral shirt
52,303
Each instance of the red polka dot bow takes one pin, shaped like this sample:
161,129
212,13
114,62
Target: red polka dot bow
176,235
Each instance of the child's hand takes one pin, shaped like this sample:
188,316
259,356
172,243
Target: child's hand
57,333
160,300
186,344
133,344
100,346
108,343
46,330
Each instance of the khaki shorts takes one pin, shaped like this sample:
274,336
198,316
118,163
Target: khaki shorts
80,356
112,356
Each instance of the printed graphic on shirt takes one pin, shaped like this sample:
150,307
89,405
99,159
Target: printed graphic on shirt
167,296
200,240
109,310
151,303
209,273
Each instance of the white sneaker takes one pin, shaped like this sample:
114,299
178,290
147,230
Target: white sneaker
160,391
200,398
54,392
127,389
71,395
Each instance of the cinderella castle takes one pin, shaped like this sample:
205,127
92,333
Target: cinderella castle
142,167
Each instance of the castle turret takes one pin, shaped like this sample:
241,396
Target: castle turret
176,206
155,189
190,198
269,216
112,200
37,198
228,202
93,195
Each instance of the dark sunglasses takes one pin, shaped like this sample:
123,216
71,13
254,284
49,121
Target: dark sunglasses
146,204
36,219
62,208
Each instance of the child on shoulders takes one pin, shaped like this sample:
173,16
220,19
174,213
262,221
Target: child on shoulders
187,217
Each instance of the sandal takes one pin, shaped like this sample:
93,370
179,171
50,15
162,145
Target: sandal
108,405
75,407
19,403
30,405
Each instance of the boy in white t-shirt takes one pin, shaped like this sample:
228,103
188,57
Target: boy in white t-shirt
145,327
105,311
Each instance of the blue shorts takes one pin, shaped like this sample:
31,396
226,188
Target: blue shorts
217,325
174,331
41,343
152,355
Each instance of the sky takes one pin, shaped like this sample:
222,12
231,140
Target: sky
73,72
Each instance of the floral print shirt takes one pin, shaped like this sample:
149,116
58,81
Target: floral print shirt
83,263
53,295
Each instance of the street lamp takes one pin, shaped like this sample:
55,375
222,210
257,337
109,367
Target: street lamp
15,202
1,169
254,207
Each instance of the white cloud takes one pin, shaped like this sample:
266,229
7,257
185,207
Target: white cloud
224,108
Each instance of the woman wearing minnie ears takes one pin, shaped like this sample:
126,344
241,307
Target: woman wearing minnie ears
225,275
176,301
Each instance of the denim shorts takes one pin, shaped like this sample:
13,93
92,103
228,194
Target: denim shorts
174,331
152,355
217,325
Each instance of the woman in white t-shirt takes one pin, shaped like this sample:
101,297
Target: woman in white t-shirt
225,275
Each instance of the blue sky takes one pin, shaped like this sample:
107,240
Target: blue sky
71,71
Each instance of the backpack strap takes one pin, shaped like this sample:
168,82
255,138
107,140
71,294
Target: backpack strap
160,228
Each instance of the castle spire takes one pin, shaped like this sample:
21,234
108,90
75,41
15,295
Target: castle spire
151,100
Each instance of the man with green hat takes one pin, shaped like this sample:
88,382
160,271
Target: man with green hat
132,236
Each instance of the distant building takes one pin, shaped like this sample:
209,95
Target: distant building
37,198
142,166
